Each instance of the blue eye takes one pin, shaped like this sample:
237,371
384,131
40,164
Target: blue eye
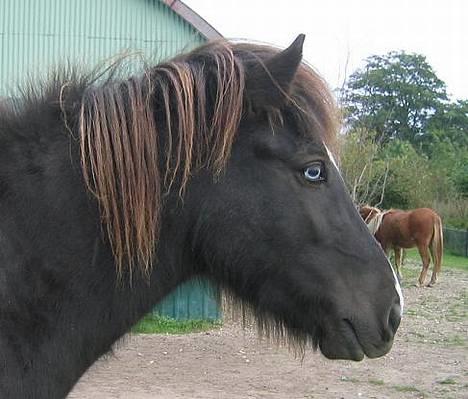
315,172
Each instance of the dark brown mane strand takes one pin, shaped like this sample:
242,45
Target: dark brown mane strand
141,136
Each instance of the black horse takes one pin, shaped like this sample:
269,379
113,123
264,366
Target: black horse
214,164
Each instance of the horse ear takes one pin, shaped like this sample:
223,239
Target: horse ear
268,84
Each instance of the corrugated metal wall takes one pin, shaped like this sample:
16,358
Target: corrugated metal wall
38,34
193,300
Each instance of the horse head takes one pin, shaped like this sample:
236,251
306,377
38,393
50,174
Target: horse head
368,212
278,229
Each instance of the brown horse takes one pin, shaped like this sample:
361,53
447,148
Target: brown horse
421,228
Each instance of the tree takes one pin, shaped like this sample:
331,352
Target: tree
450,124
394,95
364,173
446,145
393,175
411,179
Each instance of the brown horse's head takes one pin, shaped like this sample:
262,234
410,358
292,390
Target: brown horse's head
368,212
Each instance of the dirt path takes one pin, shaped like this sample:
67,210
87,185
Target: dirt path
429,360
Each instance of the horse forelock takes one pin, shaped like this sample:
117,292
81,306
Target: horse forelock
192,104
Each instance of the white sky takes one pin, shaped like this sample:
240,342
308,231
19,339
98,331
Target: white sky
340,34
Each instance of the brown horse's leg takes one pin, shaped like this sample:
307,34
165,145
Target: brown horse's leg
386,249
437,249
398,251
434,268
424,252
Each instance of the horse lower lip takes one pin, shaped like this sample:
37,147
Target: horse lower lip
370,350
341,343
355,334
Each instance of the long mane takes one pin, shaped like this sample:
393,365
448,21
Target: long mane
144,136
140,135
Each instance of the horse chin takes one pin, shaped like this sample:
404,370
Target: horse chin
345,343
348,348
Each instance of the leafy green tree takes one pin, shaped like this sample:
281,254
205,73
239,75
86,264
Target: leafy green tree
393,175
449,124
411,178
364,173
460,175
394,95
406,144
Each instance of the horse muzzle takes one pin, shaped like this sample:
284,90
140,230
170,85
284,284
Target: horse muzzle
354,338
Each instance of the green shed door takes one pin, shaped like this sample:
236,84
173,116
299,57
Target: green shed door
193,300
36,35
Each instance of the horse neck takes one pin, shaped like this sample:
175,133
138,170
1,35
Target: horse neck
85,328
48,341
61,303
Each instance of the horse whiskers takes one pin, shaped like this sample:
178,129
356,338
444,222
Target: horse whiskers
267,326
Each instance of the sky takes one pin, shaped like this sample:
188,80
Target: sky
340,34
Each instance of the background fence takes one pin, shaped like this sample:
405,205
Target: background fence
456,241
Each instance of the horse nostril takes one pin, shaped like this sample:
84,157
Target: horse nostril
394,317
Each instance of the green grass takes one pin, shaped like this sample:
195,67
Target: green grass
406,388
411,312
152,324
410,276
348,379
376,381
455,340
447,381
449,260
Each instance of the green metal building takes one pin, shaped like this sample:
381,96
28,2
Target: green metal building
38,34
35,34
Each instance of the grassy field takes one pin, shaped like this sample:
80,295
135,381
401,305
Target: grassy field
449,260
152,324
